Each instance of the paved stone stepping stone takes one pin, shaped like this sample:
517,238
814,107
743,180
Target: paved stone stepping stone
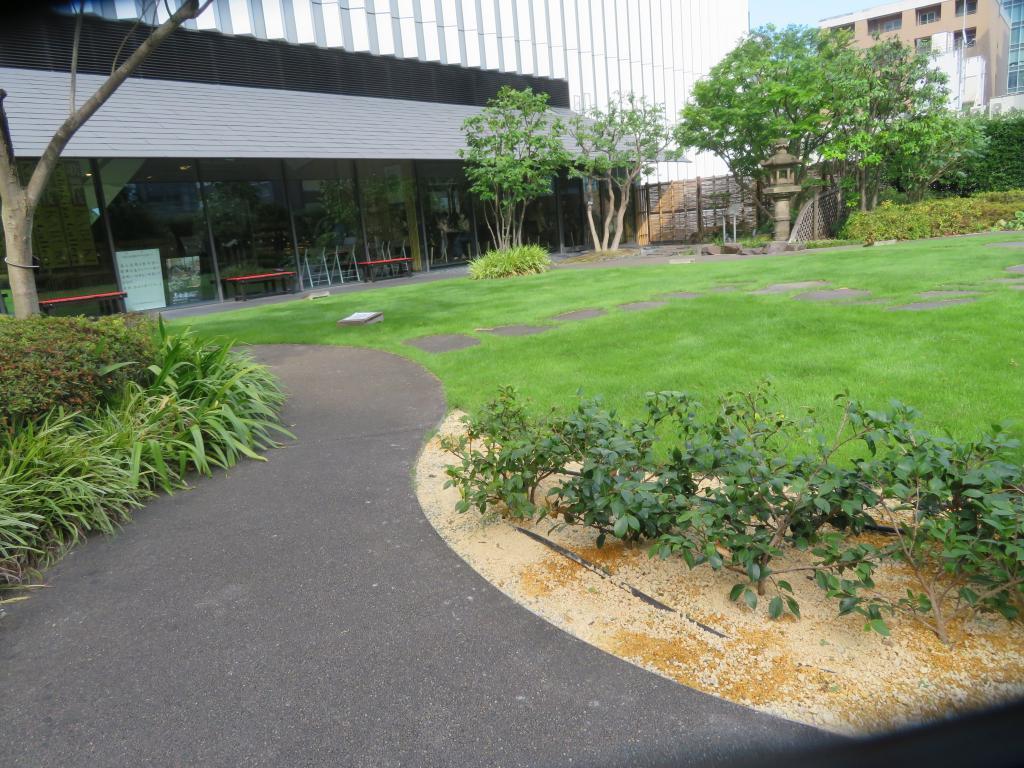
923,306
1018,287
681,295
835,295
640,306
1019,268
945,294
1014,244
518,330
445,342
1009,280
787,287
580,314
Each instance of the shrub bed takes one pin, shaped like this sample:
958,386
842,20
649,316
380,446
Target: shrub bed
198,406
512,262
71,362
727,488
934,218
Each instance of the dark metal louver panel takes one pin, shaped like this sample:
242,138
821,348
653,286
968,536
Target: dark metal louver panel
44,42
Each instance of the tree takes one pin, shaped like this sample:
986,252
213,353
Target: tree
933,147
886,89
775,83
19,201
616,146
513,149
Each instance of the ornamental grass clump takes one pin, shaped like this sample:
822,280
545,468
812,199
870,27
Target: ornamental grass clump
740,486
510,262
199,406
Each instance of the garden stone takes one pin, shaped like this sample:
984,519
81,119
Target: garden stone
924,306
446,342
732,248
640,306
839,294
795,247
945,294
787,287
681,295
710,250
518,330
580,314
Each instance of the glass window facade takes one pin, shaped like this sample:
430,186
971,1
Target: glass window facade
169,231
447,213
159,231
1015,77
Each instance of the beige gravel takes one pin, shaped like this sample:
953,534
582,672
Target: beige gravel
821,669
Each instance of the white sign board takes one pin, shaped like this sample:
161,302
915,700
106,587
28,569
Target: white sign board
142,279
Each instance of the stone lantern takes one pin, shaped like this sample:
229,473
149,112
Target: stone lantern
782,186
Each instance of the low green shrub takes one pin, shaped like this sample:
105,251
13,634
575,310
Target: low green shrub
512,262
933,218
738,487
200,406
1015,224
70,362
812,244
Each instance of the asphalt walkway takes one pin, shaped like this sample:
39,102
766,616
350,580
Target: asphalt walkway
303,612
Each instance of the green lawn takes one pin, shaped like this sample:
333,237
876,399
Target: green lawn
961,366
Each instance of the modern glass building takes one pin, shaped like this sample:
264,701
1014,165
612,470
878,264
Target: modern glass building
1015,75
272,133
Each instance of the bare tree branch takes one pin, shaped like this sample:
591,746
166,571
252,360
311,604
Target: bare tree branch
74,57
48,161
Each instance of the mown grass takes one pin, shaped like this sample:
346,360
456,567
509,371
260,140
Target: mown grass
961,366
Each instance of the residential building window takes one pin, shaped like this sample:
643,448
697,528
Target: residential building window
972,7
958,38
923,44
885,24
929,15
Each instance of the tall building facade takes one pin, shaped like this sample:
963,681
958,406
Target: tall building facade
1015,76
969,39
651,48
309,135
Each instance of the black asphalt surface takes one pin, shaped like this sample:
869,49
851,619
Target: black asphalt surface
303,612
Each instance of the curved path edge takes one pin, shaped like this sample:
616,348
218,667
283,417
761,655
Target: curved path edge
303,611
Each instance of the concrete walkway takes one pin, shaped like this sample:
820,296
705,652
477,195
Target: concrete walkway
303,612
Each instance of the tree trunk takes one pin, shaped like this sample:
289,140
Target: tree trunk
593,226
609,211
17,220
620,217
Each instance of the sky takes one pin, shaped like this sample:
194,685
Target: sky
783,12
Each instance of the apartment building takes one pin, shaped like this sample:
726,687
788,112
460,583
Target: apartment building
970,40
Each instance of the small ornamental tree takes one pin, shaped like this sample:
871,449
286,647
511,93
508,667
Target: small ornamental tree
513,149
776,82
20,199
617,146
888,87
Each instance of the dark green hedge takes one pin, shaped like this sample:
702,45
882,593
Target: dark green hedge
1000,167
47,362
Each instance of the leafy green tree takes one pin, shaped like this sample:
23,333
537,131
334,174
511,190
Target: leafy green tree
513,149
885,89
775,83
933,147
617,146
999,166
